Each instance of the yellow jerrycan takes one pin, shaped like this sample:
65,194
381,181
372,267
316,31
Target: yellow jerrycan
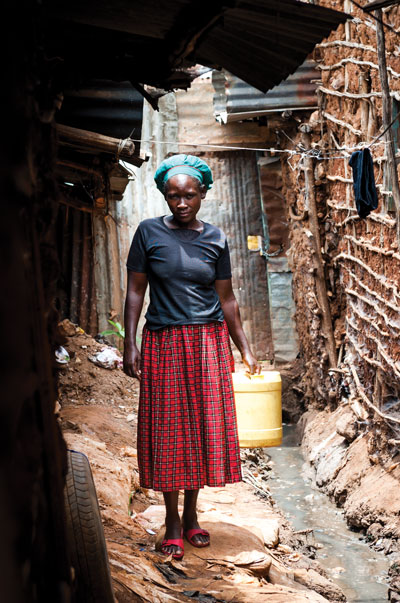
259,409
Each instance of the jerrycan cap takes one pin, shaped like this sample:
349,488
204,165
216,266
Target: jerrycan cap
266,381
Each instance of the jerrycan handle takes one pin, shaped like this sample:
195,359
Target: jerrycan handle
256,377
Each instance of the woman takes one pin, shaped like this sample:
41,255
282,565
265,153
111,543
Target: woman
187,434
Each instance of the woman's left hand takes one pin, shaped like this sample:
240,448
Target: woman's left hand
251,362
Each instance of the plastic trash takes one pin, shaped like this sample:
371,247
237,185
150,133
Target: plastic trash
62,356
107,358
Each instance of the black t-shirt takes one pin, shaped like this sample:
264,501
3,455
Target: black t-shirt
182,266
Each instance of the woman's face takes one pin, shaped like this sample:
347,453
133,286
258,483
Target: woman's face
184,194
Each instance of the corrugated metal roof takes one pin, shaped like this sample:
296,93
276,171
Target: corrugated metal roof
235,100
103,106
152,42
264,41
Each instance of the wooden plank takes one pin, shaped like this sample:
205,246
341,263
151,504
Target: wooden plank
93,140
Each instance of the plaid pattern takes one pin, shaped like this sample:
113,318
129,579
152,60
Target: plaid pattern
187,432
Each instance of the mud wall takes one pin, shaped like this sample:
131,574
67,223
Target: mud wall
360,256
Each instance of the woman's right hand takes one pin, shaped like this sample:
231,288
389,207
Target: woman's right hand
131,362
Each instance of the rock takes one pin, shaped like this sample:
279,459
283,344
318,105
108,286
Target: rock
231,544
330,461
311,579
129,451
346,426
153,517
270,531
130,417
374,531
304,579
338,570
224,498
67,328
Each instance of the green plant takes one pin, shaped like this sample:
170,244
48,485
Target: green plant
118,330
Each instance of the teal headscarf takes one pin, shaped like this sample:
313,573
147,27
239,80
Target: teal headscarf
183,164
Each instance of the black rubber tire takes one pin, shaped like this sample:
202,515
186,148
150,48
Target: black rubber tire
86,542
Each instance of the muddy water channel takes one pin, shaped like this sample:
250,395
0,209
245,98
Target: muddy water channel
349,561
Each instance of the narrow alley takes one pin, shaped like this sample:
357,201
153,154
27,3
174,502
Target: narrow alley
245,152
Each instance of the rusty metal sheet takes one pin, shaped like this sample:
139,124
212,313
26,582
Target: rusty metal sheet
233,204
235,100
197,122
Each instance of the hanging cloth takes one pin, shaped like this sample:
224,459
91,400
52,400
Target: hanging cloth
364,182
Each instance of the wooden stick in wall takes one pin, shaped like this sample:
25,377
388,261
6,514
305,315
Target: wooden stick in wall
387,115
323,299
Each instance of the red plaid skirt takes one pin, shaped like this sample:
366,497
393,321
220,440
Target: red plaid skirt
187,431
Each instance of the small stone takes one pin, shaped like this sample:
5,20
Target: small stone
346,426
67,328
128,451
130,418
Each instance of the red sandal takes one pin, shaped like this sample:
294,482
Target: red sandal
189,534
173,542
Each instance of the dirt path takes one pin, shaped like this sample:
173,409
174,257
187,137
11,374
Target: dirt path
253,554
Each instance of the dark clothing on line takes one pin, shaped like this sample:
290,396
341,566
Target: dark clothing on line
182,266
363,182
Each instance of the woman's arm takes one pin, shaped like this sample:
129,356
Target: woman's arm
231,312
136,288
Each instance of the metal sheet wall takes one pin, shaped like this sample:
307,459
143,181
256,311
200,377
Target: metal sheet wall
233,204
282,308
197,122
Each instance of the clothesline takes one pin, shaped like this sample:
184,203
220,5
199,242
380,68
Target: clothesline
320,154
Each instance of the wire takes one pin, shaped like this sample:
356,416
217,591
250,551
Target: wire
320,154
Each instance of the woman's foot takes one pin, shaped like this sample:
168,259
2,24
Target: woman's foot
194,533
173,542
199,537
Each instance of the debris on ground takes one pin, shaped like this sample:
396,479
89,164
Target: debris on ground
107,358
62,356
253,554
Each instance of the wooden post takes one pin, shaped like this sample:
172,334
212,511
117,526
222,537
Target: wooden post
323,299
387,116
92,140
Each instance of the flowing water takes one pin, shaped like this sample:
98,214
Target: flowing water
348,561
